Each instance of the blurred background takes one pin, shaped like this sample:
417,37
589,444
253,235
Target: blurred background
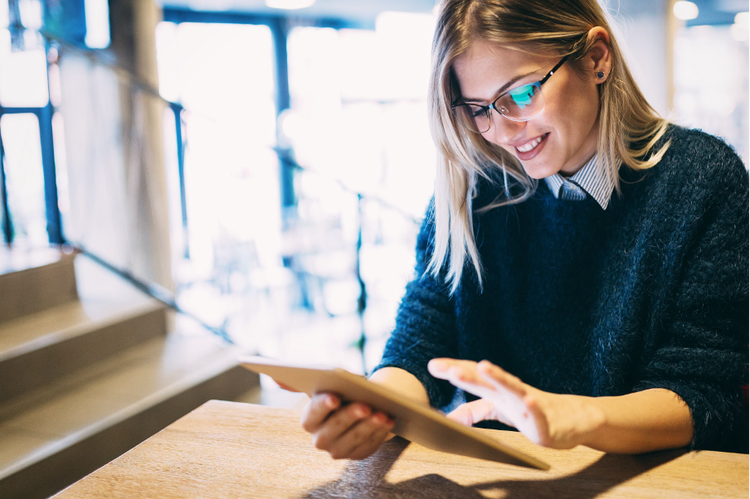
265,165
234,177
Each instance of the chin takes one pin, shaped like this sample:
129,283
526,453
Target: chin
539,172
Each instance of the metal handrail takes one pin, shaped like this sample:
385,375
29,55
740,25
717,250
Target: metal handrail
153,290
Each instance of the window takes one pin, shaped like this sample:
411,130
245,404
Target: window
24,179
223,75
359,106
25,126
358,123
23,80
357,118
711,82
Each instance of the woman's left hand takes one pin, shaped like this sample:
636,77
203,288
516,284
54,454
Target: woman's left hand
548,419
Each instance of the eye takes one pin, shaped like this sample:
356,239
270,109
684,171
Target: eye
522,96
476,111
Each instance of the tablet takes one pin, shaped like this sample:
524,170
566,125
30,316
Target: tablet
414,421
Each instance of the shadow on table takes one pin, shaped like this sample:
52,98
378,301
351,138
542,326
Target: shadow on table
363,479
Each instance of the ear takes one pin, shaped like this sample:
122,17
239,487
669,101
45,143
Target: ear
599,56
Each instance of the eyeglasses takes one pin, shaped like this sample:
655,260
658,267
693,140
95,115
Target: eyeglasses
519,104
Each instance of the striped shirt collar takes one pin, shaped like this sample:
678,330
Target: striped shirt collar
590,179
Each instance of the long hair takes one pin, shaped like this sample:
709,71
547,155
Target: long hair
628,126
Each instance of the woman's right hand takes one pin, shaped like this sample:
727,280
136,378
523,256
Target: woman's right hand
345,431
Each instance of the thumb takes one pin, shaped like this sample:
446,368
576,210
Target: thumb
472,412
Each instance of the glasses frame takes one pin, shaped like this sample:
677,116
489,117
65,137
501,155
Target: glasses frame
487,109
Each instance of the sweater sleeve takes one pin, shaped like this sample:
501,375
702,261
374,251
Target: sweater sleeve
425,324
703,354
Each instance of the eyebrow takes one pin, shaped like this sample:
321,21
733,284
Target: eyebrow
502,89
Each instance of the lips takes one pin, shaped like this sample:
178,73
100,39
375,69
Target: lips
529,145
530,149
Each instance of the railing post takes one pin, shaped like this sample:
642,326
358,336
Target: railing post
54,228
7,224
362,300
177,110
280,33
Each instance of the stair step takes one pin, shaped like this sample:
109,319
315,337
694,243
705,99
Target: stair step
37,350
34,280
110,316
72,426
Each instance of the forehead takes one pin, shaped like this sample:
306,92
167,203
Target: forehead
485,67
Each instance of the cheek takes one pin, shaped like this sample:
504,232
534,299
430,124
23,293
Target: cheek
574,106
576,114
491,137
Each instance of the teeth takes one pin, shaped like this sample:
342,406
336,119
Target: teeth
528,146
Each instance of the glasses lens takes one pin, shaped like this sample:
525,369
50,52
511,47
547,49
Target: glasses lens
473,117
522,103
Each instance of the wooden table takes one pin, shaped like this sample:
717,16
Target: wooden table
227,449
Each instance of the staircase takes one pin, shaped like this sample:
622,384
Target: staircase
90,367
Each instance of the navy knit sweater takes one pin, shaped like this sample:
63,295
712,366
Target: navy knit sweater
651,293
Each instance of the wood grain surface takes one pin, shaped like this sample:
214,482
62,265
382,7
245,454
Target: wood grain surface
227,449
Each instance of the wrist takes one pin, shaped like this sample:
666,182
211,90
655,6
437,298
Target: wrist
402,382
593,421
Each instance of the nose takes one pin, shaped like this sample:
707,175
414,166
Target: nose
503,130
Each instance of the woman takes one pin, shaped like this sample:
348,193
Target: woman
576,240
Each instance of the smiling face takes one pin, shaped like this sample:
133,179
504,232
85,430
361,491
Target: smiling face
560,139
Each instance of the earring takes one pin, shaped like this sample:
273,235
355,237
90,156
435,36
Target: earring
600,74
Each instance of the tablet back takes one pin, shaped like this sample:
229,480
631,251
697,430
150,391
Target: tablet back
414,421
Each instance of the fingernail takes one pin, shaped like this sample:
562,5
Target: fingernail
330,402
360,412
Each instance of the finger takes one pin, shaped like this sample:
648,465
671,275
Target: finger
358,433
536,424
472,412
331,435
442,367
479,387
318,409
516,400
497,376
382,426
459,372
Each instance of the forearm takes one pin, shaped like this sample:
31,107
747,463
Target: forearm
639,422
402,382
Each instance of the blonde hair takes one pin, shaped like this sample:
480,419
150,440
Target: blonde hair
628,126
